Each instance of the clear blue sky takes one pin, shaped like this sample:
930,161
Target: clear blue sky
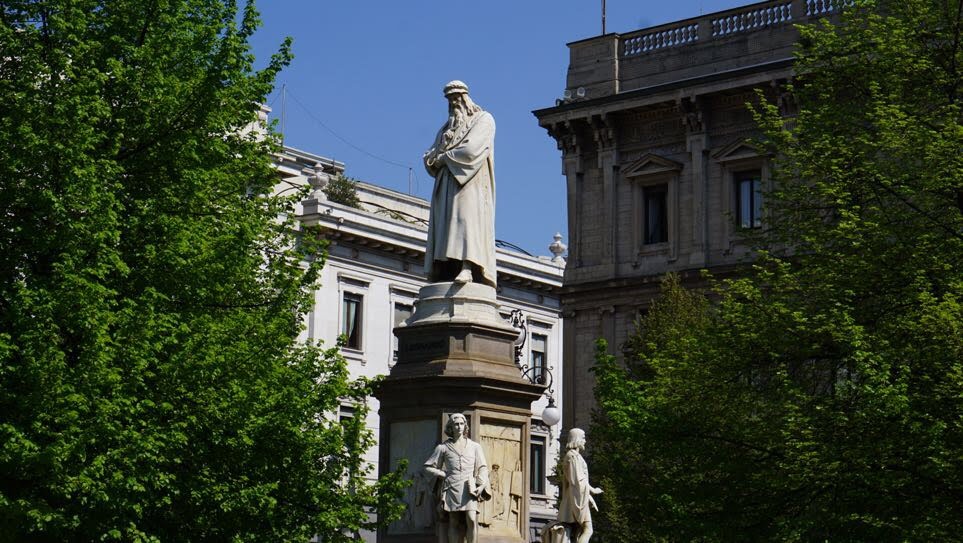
372,73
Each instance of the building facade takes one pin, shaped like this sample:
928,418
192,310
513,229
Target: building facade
369,283
661,176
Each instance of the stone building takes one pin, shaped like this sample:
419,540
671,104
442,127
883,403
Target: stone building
653,129
369,284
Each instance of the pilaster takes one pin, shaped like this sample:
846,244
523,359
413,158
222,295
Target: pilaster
694,117
606,145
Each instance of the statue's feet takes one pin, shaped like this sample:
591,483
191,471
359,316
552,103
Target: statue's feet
464,276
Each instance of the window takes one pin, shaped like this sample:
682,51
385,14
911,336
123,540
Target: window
539,350
401,314
346,417
351,319
656,214
345,412
748,187
537,482
655,208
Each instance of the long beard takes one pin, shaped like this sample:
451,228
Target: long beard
456,121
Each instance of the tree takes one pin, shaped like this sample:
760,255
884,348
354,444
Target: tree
820,397
151,385
343,190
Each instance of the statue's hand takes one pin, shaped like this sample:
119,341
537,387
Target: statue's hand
596,490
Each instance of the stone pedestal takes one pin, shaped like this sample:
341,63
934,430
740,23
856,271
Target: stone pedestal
456,354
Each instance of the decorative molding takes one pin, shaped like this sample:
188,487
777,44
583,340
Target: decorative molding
785,99
732,100
539,427
603,130
692,114
402,290
353,280
649,165
738,150
566,137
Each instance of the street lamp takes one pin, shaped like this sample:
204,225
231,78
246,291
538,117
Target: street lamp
551,414
539,375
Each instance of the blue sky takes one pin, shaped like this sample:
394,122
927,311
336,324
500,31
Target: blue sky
365,86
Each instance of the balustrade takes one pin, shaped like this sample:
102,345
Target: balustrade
660,39
726,23
753,18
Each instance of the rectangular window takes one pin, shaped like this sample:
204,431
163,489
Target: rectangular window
401,314
537,482
346,412
539,350
656,214
351,319
748,199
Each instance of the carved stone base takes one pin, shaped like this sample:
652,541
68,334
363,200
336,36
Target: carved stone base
456,355
456,302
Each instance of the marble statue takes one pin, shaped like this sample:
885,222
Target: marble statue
574,509
461,226
460,465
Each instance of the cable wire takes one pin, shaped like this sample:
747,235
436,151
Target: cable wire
343,140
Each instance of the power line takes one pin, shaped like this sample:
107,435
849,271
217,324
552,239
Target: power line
275,99
343,140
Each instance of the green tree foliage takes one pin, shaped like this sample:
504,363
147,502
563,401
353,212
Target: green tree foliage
820,397
151,388
343,190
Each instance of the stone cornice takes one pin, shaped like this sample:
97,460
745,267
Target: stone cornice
662,92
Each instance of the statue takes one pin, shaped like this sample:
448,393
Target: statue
461,227
460,465
574,515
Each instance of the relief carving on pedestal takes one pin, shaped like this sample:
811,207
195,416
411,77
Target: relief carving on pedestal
414,440
502,515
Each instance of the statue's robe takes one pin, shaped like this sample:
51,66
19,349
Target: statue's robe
462,221
575,491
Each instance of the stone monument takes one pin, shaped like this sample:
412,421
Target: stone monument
574,524
462,472
456,358
461,228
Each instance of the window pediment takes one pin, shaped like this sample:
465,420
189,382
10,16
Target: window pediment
739,150
651,165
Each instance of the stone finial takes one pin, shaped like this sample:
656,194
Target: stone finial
318,180
558,248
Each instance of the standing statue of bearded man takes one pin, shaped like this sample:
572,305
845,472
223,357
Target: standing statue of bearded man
461,227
